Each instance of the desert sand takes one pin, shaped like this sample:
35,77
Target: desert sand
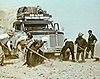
56,69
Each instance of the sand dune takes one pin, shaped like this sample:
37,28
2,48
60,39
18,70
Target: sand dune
7,17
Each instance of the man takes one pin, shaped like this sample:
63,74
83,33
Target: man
9,42
91,44
81,45
22,43
68,45
5,39
24,40
36,46
4,47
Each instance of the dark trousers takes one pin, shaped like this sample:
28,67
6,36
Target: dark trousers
70,45
80,51
90,48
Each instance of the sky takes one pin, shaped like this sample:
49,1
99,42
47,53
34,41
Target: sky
74,16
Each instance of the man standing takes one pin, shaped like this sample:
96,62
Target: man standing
91,44
68,45
81,45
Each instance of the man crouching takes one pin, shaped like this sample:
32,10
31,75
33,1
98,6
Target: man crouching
68,45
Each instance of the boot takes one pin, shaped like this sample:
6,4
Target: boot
2,64
83,61
73,60
86,57
61,57
92,57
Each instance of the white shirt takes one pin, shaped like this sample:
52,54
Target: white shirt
21,38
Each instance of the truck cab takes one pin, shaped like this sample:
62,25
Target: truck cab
42,27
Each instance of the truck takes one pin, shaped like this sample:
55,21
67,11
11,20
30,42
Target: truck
38,22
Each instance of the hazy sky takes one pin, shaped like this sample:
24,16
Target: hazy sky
74,15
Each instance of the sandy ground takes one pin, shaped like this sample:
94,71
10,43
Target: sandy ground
13,69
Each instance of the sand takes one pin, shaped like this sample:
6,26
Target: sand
58,70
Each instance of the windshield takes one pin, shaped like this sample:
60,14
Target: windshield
30,27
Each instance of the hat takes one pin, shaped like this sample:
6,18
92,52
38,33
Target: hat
90,31
10,33
80,34
29,35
